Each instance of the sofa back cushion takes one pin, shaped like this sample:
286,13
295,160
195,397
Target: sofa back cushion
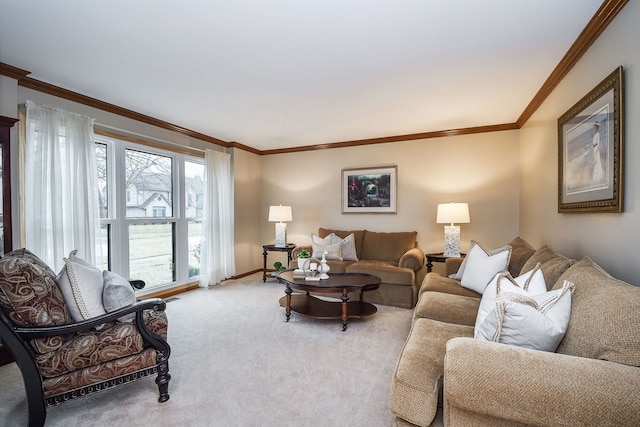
552,265
357,234
604,320
521,251
387,246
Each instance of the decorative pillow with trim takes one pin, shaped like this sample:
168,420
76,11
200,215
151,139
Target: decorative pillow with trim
538,322
529,283
333,251
117,292
347,246
481,266
324,241
81,286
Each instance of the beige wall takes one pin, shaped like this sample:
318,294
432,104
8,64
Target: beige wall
609,239
479,169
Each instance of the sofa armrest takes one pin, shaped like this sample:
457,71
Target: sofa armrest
452,265
413,259
485,381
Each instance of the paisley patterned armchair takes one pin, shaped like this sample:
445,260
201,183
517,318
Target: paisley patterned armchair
61,359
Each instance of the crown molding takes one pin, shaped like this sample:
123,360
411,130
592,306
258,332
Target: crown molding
398,138
595,27
603,17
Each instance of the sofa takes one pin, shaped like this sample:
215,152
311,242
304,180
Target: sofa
394,257
446,376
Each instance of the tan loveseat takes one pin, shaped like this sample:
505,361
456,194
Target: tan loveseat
592,379
394,257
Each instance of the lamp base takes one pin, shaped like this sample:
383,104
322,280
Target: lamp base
281,235
451,241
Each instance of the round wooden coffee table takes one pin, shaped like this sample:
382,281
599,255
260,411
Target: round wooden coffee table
343,283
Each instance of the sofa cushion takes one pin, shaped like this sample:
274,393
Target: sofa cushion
358,236
417,380
117,292
448,308
437,283
529,283
386,271
387,246
521,251
347,246
552,264
81,284
480,266
604,316
329,251
537,322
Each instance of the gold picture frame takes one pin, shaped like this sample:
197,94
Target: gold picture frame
590,150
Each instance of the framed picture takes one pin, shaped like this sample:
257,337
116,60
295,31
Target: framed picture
590,150
369,190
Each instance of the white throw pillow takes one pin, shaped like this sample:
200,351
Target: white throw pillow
482,266
537,322
530,283
117,293
324,241
463,265
347,246
81,286
333,251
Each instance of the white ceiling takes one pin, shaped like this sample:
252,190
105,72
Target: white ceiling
284,73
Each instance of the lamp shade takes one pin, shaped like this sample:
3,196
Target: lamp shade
449,213
280,213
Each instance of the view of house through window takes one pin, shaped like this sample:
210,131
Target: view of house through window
151,212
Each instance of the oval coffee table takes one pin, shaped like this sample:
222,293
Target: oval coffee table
343,283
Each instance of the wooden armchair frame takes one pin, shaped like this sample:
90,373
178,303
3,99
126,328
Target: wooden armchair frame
17,339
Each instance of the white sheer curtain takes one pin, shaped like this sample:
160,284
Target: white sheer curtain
217,261
61,209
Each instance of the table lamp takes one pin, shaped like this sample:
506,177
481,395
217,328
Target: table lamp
449,213
279,214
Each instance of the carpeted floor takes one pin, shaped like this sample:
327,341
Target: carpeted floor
236,362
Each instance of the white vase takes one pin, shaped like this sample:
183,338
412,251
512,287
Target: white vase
301,262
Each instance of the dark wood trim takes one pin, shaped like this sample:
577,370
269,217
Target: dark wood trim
603,17
13,72
166,293
595,27
398,138
50,89
6,123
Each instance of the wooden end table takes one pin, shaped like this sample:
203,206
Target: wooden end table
439,257
343,283
273,248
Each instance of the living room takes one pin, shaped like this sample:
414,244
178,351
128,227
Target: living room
509,177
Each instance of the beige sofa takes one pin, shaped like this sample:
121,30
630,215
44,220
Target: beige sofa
592,379
394,257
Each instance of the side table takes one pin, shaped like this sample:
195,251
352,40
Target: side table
273,248
439,257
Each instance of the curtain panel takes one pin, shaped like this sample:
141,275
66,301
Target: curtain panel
217,240
60,185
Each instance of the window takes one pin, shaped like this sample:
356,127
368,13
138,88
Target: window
151,212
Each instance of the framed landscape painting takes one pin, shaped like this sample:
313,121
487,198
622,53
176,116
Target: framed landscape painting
590,150
369,190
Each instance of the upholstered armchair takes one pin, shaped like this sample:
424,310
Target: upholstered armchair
61,359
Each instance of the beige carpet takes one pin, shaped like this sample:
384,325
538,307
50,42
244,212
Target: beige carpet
236,362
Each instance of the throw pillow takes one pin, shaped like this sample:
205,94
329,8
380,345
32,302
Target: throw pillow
117,293
481,266
81,286
538,322
463,265
347,246
324,241
529,283
333,251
